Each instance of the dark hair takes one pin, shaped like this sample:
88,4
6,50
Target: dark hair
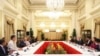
2,41
12,36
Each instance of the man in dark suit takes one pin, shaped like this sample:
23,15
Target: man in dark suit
21,43
88,41
73,39
79,41
98,45
2,48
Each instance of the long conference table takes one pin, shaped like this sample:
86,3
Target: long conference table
36,48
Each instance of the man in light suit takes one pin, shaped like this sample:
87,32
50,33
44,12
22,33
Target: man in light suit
12,46
2,48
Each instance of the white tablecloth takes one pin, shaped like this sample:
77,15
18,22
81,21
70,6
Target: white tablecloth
31,50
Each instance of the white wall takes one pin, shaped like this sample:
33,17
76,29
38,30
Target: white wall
91,12
13,13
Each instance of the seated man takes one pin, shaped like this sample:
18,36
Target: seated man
20,43
88,41
12,45
98,45
79,41
73,39
2,48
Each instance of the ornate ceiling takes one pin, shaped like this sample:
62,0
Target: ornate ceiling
39,8
42,2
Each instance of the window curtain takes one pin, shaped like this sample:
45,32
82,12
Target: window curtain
97,30
8,29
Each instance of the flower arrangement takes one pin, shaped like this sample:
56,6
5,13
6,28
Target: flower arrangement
55,48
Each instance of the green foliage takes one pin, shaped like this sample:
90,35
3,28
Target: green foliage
31,32
74,33
55,49
42,36
64,36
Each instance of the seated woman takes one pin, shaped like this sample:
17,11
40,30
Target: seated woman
94,43
26,41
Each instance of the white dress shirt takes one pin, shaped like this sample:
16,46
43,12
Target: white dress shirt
12,45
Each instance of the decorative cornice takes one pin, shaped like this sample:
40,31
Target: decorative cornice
1,5
81,3
43,7
10,7
95,10
8,13
82,17
26,4
26,18
11,11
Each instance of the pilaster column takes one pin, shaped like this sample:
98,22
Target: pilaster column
75,23
73,20
93,27
1,23
19,5
30,23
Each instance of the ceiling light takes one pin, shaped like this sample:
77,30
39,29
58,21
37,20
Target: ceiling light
52,25
42,24
58,30
46,30
63,25
55,4
54,15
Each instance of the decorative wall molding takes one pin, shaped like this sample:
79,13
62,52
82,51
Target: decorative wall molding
82,17
95,10
25,4
43,7
9,19
10,10
1,5
25,17
81,4
96,3
96,16
10,7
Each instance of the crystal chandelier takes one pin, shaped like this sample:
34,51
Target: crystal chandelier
55,4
